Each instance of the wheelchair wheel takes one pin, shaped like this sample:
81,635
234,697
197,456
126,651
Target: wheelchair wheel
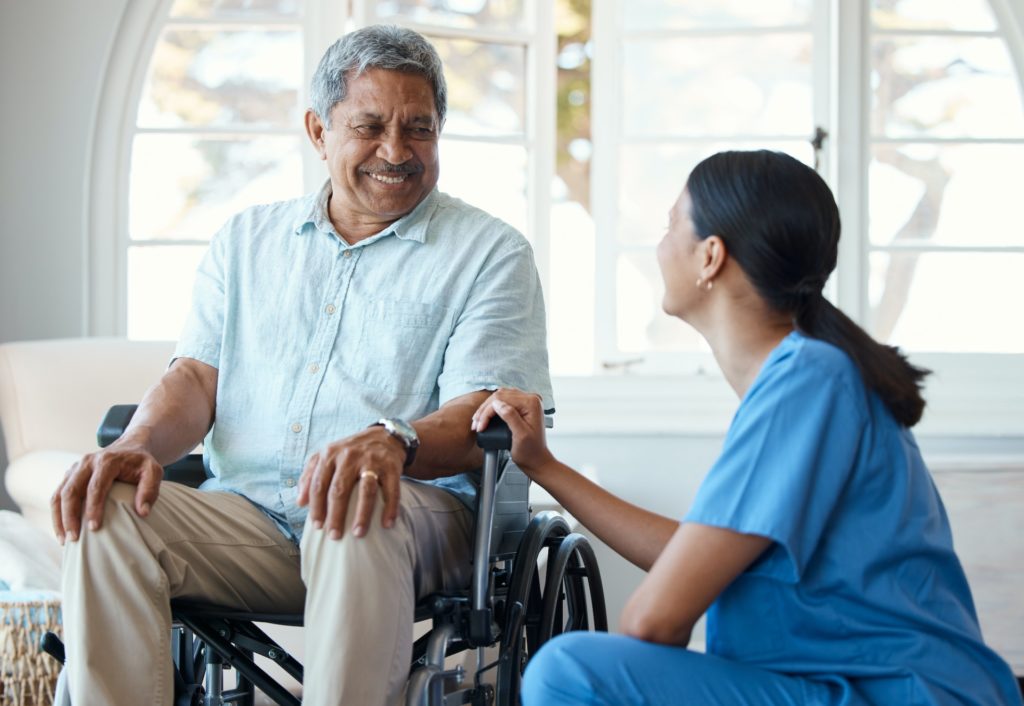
572,571
534,612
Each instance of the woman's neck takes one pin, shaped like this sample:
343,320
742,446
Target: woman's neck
742,334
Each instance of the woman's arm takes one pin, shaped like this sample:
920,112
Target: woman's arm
689,564
698,563
635,533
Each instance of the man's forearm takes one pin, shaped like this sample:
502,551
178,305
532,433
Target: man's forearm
175,414
447,444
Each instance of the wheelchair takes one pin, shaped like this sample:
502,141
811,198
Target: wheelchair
533,578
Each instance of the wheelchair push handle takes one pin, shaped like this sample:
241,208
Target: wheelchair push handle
496,437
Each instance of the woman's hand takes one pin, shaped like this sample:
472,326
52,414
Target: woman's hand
524,414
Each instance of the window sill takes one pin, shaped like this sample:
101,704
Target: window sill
968,396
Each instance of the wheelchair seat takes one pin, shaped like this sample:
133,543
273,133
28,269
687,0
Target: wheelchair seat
511,606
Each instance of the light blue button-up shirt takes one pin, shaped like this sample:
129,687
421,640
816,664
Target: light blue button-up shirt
315,339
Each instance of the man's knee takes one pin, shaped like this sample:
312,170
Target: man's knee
121,531
377,541
121,494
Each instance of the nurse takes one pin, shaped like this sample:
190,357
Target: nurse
817,543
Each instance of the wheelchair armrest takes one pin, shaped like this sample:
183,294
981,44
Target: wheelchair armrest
115,421
188,471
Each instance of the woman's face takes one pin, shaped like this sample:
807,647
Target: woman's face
678,259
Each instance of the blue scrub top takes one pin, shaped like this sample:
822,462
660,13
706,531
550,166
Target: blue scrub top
861,586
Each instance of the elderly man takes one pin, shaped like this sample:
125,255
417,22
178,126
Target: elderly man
337,347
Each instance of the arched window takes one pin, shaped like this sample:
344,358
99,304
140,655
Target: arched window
577,121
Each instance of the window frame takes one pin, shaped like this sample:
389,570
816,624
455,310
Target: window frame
969,396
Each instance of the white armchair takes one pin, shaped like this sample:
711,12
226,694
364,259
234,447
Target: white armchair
52,397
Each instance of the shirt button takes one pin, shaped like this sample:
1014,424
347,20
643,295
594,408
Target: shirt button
347,253
296,427
289,482
330,309
313,367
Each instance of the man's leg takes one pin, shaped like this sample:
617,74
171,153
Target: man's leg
601,669
361,593
118,582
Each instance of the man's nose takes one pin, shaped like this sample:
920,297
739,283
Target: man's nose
394,148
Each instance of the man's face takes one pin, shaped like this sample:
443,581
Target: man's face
381,148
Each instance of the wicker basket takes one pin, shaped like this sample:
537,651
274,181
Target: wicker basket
27,675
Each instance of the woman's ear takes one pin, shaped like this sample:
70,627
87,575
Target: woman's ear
713,257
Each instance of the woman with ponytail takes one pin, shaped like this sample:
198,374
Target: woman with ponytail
817,543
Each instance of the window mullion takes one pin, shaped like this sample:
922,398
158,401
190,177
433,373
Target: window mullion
851,96
605,118
540,130
323,23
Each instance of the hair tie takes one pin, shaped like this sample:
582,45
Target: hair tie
808,288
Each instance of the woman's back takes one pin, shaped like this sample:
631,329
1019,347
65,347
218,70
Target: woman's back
862,586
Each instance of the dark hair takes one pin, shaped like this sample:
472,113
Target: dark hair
780,222
375,47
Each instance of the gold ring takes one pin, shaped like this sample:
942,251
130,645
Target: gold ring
370,474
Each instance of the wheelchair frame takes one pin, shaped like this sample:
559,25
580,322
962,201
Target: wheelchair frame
508,605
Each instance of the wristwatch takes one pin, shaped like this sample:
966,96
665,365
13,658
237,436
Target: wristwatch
404,432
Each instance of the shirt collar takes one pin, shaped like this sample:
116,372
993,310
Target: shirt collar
412,226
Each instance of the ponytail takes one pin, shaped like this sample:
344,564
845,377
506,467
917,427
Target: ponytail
780,222
885,370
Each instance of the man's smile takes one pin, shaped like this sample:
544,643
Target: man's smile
389,179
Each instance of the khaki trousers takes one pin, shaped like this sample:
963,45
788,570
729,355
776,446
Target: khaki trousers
358,594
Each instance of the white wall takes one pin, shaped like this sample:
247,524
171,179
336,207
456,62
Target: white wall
52,59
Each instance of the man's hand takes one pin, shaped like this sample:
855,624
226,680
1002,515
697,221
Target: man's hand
83,492
364,463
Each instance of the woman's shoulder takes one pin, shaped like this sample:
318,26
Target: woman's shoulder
811,355
801,364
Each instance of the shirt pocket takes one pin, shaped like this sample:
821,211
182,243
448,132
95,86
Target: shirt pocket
401,346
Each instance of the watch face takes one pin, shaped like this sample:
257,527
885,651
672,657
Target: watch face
403,430
406,429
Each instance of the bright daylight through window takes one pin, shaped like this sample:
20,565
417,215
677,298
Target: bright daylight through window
577,121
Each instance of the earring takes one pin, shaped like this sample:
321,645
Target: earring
700,281
710,284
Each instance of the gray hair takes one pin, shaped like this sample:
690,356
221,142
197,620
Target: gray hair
375,47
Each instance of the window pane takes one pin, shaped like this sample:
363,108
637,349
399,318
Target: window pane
488,176
945,87
570,289
187,187
490,14
160,289
235,8
719,85
641,324
486,87
947,194
653,176
223,78
932,14
948,302
690,14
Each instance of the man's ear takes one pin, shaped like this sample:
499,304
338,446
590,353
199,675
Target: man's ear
315,131
713,258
